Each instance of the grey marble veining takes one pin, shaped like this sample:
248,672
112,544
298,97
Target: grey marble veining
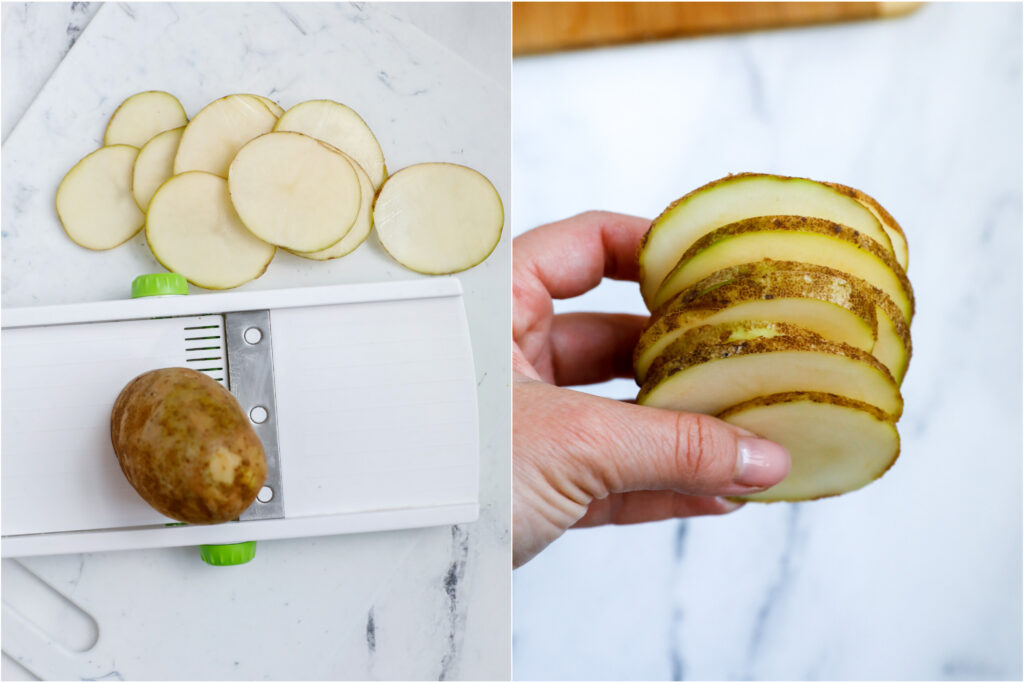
29,27
918,575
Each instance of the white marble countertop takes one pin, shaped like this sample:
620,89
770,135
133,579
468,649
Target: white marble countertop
433,82
917,576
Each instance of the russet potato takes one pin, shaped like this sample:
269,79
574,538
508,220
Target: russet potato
186,446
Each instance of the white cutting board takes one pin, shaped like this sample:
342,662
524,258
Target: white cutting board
425,103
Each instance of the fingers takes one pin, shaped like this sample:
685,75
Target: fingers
651,506
593,347
563,260
606,446
570,257
521,366
582,459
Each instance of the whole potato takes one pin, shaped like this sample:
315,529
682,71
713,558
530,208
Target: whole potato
186,446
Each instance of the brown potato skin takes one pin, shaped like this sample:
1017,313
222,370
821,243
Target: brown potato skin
186,446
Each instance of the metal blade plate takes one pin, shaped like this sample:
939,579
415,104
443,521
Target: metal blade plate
251,379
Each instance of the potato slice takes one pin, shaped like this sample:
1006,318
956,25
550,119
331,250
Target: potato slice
341,127
294,191
889,224
713,367
893,348
154,165
193,230
837,306
94,201
213,137
790,238
142,116
275,108
735,198
360,228
835,444
438,218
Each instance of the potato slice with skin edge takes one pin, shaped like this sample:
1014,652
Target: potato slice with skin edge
836,445
293,191
735,198
899,241
790,238
438,218
193,229
716,366
893,348
142,116
820,299
360,228
213,137
341,127
154,165
94,200
275,108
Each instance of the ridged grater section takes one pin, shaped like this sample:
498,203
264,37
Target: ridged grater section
205,348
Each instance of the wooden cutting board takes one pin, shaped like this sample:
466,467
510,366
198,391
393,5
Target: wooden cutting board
550,26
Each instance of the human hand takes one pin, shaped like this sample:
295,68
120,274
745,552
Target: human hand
582,460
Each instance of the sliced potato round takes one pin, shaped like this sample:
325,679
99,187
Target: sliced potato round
717,366
735,198
275,108
142,116
154,165
889,224
893,348
94,201
835,305
340,126
438,218
213,137
790,238
360,228
192,229
835,444
294,191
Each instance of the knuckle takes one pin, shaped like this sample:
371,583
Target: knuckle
593,213
697,444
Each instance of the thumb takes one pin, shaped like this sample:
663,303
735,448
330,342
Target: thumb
602,446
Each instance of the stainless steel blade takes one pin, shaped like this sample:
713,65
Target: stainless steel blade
251,379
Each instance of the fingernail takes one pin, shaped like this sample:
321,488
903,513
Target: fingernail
730,505
760,463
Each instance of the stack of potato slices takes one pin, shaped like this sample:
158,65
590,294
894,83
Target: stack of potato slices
782,305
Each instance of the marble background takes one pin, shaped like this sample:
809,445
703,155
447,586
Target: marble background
917,576
433,81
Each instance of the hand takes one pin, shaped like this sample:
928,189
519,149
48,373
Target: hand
581,460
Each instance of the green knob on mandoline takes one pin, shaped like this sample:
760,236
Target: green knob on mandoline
159,284
165,284
228,555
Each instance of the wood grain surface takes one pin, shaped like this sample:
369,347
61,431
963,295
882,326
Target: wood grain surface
550,26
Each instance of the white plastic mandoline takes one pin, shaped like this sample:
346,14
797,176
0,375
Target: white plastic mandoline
372,392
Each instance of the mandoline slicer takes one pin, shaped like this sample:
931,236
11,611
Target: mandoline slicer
364,397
